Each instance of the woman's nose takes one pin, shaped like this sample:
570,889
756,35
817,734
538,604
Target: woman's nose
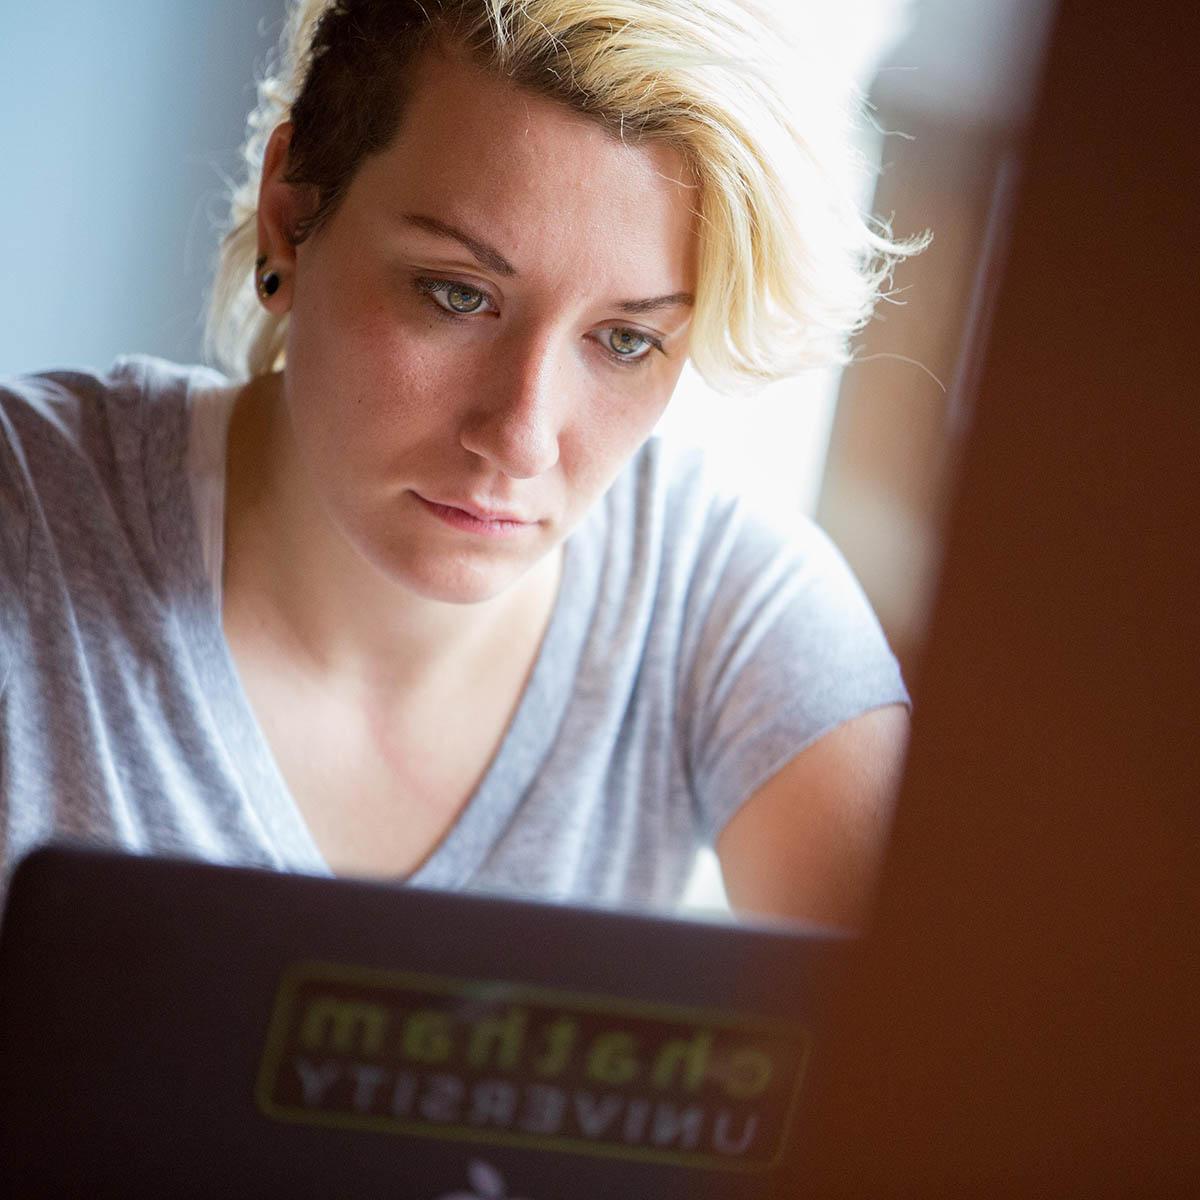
516,419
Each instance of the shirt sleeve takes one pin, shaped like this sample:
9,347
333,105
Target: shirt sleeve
14,538
783,647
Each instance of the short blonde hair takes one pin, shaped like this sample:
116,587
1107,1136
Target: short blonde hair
789,268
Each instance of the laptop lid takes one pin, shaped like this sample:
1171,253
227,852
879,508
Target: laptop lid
171,1028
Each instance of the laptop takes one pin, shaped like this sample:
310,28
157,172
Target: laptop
173,1028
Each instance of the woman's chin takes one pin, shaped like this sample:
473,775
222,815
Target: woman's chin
450,567
455,580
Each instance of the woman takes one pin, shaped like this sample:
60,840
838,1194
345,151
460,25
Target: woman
410,593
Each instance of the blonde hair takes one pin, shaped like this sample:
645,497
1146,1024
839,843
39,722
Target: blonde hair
789,268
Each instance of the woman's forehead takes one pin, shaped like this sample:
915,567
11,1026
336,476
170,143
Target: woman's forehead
473,150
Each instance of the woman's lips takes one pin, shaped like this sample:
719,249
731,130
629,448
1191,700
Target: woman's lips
472,519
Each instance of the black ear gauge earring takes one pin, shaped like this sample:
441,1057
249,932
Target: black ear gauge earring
266,282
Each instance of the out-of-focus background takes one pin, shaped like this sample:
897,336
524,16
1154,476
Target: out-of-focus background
117,121
953,95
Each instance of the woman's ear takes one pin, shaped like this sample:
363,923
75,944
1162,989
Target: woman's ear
281,208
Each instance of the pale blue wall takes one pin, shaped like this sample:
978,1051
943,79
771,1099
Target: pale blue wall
116,120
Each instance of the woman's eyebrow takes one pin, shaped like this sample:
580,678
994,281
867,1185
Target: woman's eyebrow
488,256
674,300
485,255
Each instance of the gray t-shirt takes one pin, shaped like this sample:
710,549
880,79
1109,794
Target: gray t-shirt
692,651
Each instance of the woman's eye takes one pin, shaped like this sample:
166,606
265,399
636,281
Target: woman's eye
628,344
454,297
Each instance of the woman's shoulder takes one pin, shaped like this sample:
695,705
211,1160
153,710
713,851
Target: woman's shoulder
64,428
664,486
73,404
674,501
86,452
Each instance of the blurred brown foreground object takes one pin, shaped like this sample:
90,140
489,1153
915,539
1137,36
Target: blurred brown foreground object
1025,1017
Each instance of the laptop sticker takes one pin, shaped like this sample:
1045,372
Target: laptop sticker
504,1063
